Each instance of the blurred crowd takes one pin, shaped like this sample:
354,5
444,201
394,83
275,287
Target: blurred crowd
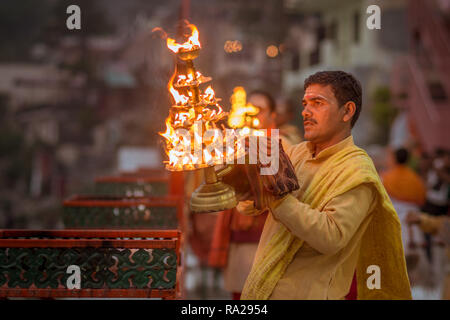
419,190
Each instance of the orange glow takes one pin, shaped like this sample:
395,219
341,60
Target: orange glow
240,109
232,46
196,111
177,97
272,51
191,44
209,94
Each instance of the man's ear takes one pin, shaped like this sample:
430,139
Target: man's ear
349,111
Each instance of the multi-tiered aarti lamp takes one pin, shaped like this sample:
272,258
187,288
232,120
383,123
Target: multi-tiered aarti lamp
194,112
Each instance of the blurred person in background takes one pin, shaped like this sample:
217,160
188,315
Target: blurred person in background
236,236
440,226
285,113
407,192
401,182
438,179
438,193
425,164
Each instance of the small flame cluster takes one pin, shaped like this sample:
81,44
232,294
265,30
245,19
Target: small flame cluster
243,114
192,42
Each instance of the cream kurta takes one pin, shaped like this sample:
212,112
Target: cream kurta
323,267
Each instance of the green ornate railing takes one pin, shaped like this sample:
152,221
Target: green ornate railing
111,263
100,267
128,213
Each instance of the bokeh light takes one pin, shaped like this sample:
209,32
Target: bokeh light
272,51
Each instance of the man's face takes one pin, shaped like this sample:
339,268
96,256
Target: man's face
322,117
265,116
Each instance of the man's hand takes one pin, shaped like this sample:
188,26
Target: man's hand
263,190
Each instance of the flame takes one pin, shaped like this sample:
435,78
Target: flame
209,94
169,130
191,43
242,113
177,97
184,152
180,118
207,156
188,80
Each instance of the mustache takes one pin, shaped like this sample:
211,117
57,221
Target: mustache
310,120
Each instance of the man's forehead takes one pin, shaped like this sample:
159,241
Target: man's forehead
319,92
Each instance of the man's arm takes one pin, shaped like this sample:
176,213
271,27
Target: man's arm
330,230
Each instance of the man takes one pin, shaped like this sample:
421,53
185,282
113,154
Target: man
339,221
236,236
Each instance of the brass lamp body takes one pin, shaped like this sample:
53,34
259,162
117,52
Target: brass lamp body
213,195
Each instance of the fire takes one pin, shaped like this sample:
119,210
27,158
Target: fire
192,137
177,97
209,95
188,80
192,106
191,44
243,114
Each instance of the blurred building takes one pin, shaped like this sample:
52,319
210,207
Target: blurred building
32,83
421,78
240,44
333,35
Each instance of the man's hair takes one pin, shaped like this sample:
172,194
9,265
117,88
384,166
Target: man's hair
401,156
344,85
268,96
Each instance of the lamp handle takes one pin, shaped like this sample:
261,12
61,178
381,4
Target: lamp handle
223,172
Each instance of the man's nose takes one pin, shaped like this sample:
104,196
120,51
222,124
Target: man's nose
306,113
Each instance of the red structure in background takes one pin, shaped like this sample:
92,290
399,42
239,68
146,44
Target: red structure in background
422,78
